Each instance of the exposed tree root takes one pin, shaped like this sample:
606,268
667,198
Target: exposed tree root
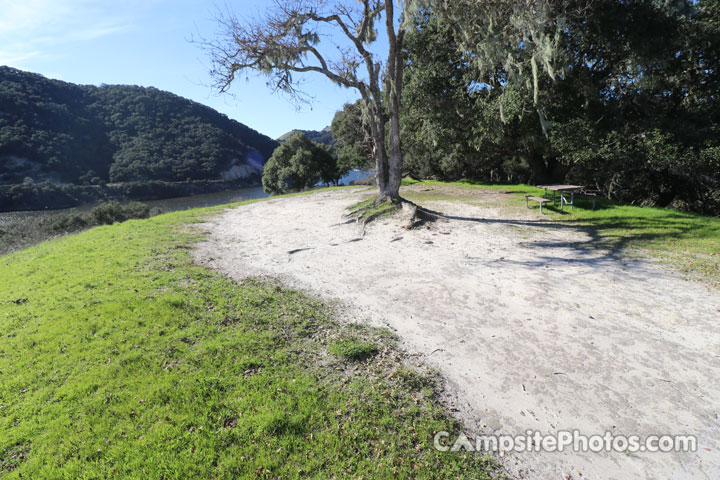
377,214
380,200
358,212
415,214
380,213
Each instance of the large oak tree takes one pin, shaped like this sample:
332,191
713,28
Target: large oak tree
300,36
297,37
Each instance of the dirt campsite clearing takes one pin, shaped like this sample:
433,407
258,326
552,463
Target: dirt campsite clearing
532,328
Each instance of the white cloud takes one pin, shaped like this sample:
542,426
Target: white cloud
33,28
30,15
16,58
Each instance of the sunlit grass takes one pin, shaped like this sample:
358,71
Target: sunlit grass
121,358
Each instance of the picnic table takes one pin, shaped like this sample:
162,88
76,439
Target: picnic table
555,189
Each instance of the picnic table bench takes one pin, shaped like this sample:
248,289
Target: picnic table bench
540,200
555,189
561,190
591,195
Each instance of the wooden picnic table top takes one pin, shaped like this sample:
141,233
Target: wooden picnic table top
561,187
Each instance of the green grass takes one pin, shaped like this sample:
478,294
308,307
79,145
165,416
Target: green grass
354,350
121,358
365,208
425,191
687,241
384,208
363,204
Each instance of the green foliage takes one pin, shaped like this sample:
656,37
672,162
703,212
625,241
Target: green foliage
299,163
121,358
62,224
61,132
111,212
353,142
438,139
633,110
513,44
636,115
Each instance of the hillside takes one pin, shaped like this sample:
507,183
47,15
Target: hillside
323,136
59,132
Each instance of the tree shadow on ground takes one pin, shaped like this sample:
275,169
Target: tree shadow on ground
607,235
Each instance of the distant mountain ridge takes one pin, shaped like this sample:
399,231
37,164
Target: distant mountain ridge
323,136
63,133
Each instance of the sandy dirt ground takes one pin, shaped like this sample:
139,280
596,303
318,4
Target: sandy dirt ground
531,329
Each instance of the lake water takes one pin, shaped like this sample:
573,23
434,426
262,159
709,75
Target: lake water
178,203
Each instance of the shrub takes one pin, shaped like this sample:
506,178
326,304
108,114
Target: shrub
68,222
111,212
29,231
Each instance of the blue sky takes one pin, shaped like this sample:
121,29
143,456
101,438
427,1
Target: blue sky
146,42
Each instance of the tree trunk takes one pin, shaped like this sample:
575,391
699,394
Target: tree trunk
383,105
393,94
395,161
545,170
377,128
376,117
388,168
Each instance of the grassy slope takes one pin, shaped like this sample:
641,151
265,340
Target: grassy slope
120,358
687,241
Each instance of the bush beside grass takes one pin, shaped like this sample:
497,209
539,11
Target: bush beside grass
33,230
121,358
110,212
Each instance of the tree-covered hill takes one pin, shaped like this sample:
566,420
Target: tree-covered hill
77,134
323,136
